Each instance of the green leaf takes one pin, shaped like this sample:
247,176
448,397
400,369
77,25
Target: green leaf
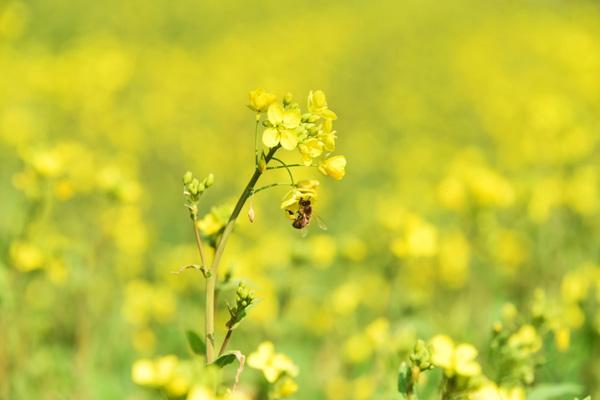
554,391
404,382
225,360
196,343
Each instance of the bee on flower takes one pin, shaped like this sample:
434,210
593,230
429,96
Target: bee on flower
298,204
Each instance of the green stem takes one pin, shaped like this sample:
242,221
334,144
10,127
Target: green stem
256,151
199,243
212,279
290,166
260,189
284,165
225,342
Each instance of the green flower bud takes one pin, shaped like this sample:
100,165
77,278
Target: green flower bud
262,164
187,178
420,356
193,187
313,118
209,180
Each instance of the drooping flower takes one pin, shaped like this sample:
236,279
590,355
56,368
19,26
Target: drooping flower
334,167
283,125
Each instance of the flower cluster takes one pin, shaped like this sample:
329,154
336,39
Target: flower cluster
311,132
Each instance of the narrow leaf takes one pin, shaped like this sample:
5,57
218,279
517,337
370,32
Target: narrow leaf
196,343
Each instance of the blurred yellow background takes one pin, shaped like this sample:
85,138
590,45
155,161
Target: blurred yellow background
472,135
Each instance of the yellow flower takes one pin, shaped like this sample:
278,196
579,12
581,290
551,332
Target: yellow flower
200,393
26,256
317,104
526,339
164,368
283,127
306,189
454,359
562,338
285,388
327,135
260,100
334,167
272,364
310,148
143,372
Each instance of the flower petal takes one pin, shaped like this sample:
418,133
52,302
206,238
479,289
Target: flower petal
270,137
291,118
289,139
275,113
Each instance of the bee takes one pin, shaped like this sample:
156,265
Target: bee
303,216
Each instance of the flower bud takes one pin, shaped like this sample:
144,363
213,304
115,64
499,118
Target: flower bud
187,178
313,118
251,215
262,164
260,100
209,180
287,99
334,167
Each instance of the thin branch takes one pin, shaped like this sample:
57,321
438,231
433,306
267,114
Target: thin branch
260,189
284,165
212,280
225,342
199,243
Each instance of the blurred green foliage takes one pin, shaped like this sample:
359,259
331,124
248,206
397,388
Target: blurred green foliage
472,135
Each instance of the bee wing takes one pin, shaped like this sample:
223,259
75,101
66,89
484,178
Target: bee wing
304,231
321,223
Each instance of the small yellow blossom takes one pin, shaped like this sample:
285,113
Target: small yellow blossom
284,388
272,364
200,393
327,135
310,148
334,167
26,256
143,372
306,189
317,104
283,127
526,338
260,100
454,359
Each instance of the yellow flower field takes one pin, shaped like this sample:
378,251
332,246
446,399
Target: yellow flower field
359,200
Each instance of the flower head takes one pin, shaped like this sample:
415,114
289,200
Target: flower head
273,365
317,104
306,190
454,359
260,100
283,124
334,167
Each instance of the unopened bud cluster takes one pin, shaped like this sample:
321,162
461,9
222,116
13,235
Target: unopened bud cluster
244,298
193,188
418,361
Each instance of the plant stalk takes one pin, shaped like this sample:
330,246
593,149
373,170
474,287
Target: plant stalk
211,281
